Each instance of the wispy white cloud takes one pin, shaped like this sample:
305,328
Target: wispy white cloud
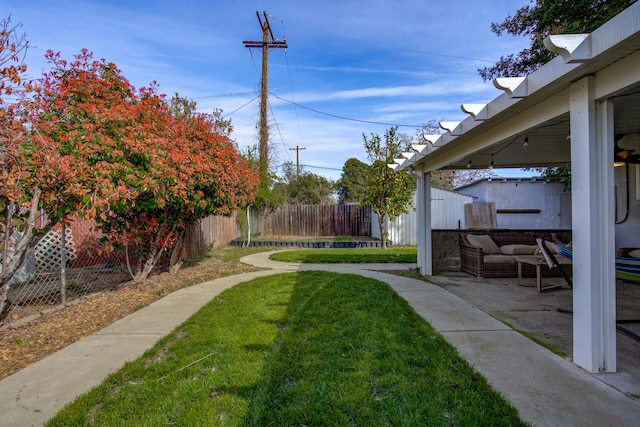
363,70
435,89
406,61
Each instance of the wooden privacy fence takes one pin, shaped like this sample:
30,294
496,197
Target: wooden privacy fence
212,231
216,230
317,220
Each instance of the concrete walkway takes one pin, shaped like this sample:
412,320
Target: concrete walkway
546,389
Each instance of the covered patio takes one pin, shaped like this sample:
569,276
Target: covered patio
580,109
517,304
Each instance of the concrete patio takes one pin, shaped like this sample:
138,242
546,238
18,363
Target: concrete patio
535,315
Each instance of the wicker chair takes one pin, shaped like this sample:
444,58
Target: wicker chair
472,257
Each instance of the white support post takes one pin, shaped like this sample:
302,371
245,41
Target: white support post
594,346
419,216
606,136
425,253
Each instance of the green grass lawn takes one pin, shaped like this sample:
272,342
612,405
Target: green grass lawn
308,348
350,255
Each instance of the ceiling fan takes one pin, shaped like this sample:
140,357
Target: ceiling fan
623,156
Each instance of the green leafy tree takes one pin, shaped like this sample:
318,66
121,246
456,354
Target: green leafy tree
182,107
268,195
352,183
304,189
541,18
561,174
221,126
389,193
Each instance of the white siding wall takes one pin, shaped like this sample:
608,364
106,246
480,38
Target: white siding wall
447,210
554,203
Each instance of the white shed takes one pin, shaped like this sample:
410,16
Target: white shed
447,209
524,203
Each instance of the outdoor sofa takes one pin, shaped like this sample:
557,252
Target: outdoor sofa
493,253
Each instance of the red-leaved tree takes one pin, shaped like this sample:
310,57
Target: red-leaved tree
187,171
142,171
43,163
30,168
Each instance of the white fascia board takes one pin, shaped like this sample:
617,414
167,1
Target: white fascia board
451,127
617,29
539,113
477,111
573,48
516,87
432,139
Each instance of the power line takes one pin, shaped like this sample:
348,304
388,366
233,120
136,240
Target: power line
224,95
302,166
242,106
278,129
291,83
321,167
451,56
345,118
376,43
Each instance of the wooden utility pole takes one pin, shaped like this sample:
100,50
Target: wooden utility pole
297,159
268,42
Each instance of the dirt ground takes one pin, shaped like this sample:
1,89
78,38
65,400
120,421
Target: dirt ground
25,341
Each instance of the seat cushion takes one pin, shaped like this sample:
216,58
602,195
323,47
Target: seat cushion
518,249
499,259
485,242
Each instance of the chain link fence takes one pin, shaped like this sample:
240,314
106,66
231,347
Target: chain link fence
69,262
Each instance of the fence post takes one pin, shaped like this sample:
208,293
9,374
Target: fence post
210,242
63,263
248,226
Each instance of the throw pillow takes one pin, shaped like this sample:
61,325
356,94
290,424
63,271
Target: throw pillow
484,241
635,253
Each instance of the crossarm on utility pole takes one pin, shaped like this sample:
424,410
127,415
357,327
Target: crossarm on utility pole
268,42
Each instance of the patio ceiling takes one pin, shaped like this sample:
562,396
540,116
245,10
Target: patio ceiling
549,144
538,108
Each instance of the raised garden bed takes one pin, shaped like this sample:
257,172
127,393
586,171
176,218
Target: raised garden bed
312,244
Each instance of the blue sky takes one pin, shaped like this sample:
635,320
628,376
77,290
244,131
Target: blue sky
400,62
